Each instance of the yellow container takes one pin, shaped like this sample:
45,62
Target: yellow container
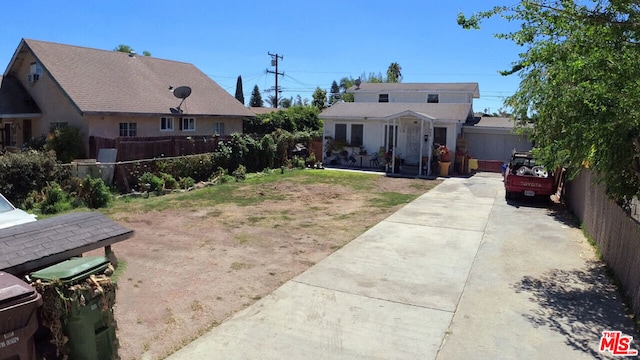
473,164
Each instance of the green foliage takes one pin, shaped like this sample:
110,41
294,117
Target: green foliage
256,98
394,74
95,193
22,173
319,98
55,200
67,144
169,182
199,167
186,182
155,182
298,162
579,72
239,93
240,173
295,118
334,93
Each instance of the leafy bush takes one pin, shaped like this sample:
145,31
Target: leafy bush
67,143
186,182
154,182
169,181
95,193
25,172
240,173
55,200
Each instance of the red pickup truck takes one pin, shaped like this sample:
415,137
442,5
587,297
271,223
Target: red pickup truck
524,177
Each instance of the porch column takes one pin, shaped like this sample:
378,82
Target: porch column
421,147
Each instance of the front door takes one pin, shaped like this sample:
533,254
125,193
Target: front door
413,144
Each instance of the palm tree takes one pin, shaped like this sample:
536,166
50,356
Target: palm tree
393,73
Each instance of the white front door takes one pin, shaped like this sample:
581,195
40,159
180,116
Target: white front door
413,144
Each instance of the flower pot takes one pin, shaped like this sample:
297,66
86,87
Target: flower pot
444,168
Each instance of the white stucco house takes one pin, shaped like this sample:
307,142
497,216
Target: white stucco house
406,118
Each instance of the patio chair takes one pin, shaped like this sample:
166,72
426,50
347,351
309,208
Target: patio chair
374,161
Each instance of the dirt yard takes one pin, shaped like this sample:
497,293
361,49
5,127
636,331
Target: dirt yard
187,271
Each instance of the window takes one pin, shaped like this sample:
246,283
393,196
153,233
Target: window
432,98
383,98
356,134
341,132
166,124
128,129
440,135
57,125
352,134
188,124
218,128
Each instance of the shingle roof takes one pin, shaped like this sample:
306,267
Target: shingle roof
101,81
14,99
264,110
353,110
45,242
471,87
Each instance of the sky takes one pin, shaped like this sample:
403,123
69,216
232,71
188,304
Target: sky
320,42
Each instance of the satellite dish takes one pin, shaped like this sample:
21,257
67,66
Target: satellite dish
181,92
357,82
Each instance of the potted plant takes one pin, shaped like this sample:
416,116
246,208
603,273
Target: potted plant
445,159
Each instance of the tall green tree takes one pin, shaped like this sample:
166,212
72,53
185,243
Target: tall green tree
256,98
319,98
346,83
239,92
579,72
394,74
334,93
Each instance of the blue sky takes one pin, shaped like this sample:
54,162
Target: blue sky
320,41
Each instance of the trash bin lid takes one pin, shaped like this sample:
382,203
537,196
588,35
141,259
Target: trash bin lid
73,269
14,291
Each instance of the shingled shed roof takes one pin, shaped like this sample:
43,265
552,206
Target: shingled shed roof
31,246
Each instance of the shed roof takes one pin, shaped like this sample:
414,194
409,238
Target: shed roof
41,243
102,81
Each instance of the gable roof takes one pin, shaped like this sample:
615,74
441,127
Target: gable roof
102,81
418,87
383,111
15,100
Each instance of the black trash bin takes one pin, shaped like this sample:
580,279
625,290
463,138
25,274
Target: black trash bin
18,318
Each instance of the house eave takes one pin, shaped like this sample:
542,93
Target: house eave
20,116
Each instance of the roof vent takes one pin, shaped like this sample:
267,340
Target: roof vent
132,54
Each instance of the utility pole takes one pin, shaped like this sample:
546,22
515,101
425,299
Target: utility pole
274,62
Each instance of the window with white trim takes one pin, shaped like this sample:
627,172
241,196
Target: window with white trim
218,128
432,98
383,98
188,124
166,124
354,133
128,129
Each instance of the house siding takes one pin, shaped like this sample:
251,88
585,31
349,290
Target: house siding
149,125
415,97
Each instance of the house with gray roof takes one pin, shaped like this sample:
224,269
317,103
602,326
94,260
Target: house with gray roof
406,119
109,94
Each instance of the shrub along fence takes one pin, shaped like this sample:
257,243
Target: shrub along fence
616,234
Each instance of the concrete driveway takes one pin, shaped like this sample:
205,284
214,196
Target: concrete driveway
456,274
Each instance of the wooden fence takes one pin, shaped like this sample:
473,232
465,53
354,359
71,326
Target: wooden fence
135,148
616,234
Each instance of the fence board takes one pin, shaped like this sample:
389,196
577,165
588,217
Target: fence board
616,234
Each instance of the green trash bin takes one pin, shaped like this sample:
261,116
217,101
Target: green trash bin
78,299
